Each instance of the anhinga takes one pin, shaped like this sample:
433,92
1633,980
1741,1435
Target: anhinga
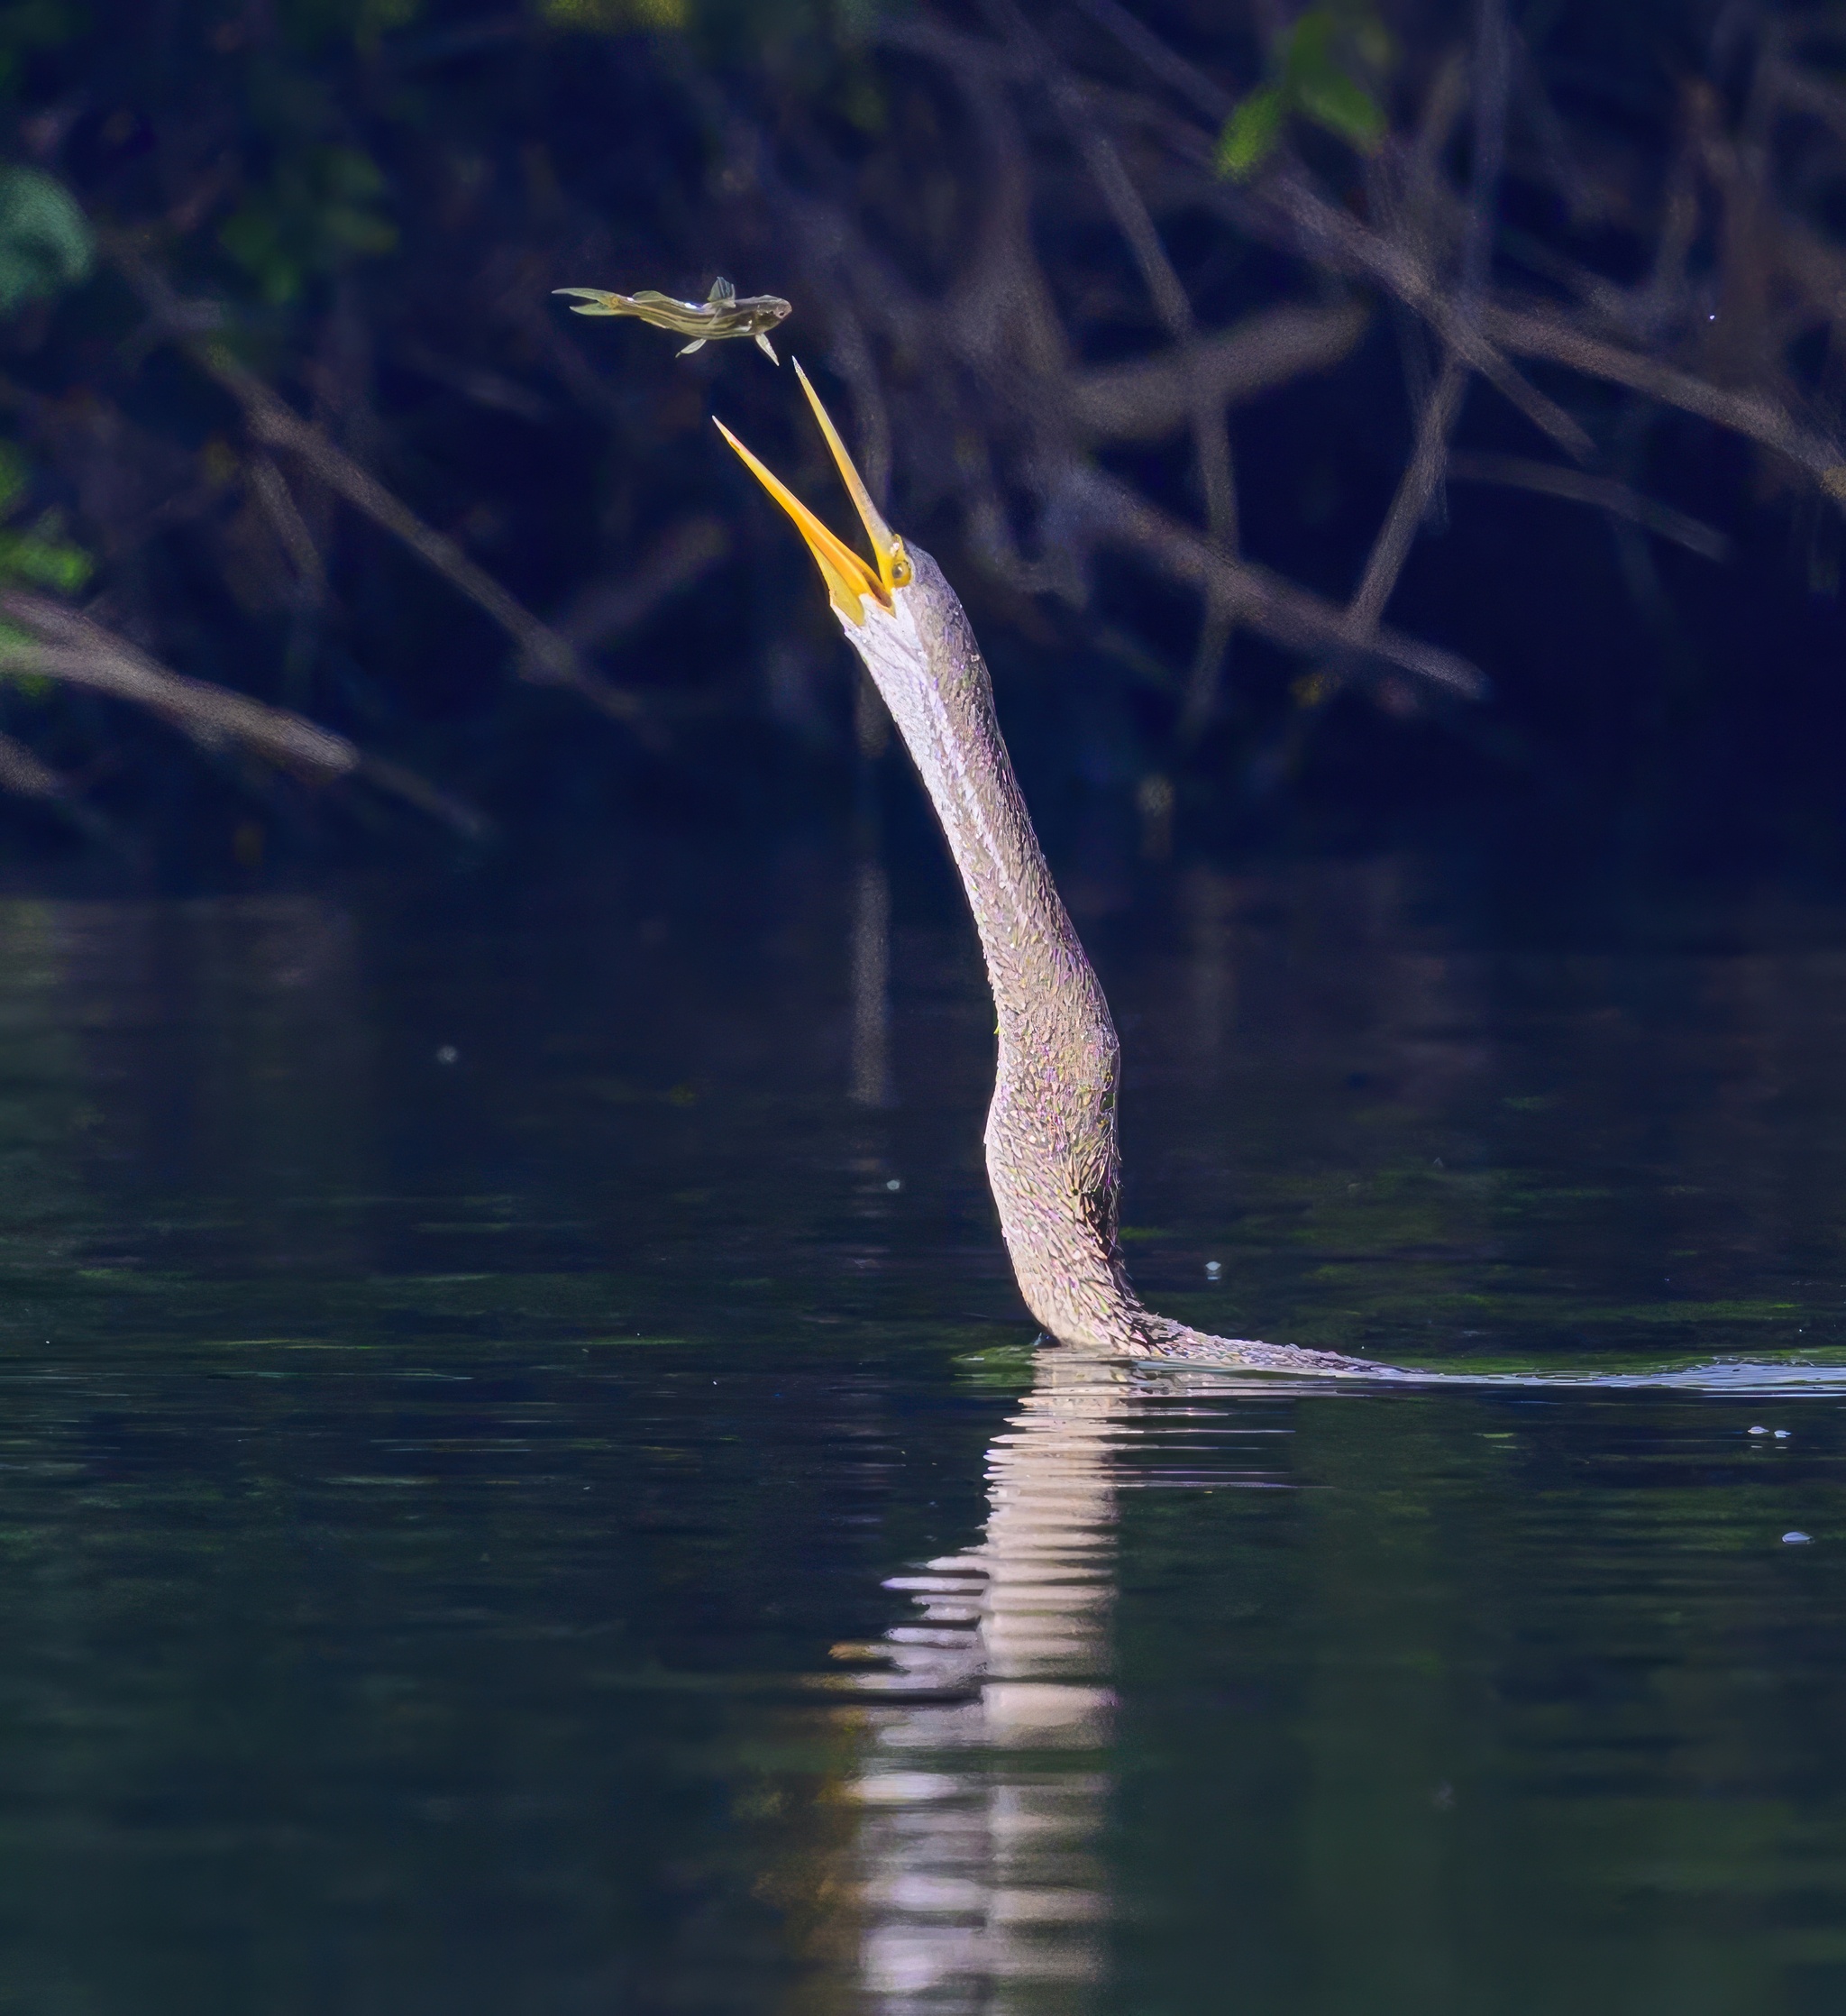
1051,1147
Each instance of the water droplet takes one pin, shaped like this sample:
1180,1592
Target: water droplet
1758,1430
896,1183
448,1054
1782,1434
1214,1268
1796,1539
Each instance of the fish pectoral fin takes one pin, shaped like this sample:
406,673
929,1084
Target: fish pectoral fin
698,342
722,291
596,300
767,348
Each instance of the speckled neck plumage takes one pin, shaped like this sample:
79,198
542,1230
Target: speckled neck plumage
1051,1142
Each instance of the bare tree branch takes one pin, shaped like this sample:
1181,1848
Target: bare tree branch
23,773
1211,436
1167,64
603,609
25,776
489,389
1353,247
53,641
1422,478
1107,510
1284,198
546,657
1533,334
1600,493
291,530
1418,485
62,644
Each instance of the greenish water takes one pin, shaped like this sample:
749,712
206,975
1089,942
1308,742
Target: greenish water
502,1460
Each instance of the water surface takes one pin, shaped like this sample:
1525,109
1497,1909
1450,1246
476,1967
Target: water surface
525,1484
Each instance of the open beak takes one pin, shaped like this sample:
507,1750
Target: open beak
850,582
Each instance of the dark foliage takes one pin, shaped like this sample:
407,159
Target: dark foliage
1146,323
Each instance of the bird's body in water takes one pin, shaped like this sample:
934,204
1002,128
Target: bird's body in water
720,315
1051,1144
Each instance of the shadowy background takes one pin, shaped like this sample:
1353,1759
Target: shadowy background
1342,423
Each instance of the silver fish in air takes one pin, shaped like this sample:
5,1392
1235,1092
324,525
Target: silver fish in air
721,314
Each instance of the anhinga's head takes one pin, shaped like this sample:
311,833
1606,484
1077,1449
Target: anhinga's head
888,608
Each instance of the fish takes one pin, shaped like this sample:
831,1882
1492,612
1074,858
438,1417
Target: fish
720,315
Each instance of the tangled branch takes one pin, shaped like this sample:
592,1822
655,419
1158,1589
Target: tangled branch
1050,308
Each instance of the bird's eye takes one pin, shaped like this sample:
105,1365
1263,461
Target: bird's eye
901,572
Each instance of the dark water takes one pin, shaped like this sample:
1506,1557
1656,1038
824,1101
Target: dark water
495,1448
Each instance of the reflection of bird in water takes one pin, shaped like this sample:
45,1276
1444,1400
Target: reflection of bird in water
1051,1147
975,1866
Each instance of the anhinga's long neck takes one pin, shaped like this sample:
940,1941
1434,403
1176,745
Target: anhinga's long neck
1042,981
1051,1148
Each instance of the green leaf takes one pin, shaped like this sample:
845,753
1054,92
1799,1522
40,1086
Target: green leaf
320,209
15,473
1307,47
45,243
1251,133
41,557
1331,99
18,649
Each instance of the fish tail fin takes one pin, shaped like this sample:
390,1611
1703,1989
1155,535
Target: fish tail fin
698,342
767,348
597,300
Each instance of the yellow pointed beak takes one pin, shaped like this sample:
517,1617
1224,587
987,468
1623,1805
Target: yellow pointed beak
850,582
